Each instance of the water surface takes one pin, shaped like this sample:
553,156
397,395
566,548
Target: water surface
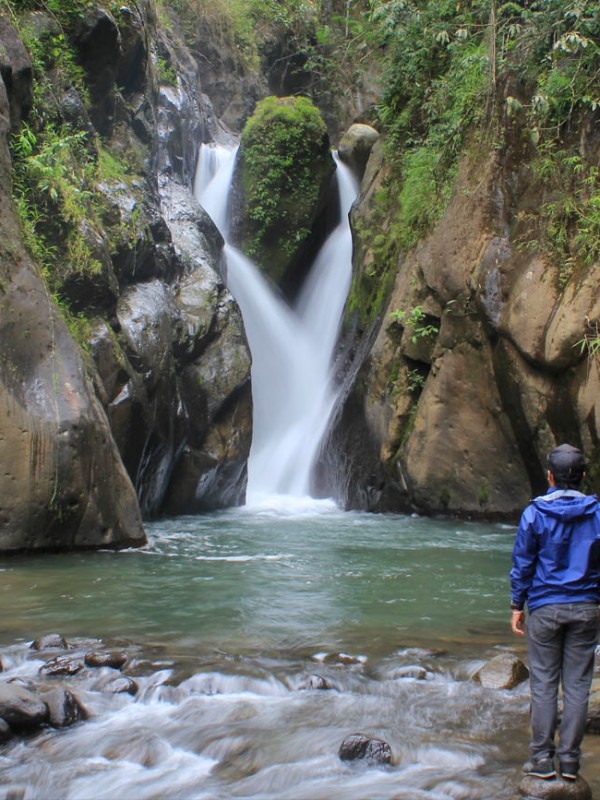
225,616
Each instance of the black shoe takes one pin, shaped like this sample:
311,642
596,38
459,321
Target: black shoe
569,770
540,769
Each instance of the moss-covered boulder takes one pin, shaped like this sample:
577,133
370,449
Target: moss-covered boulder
281,187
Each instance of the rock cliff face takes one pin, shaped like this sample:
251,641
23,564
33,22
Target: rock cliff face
468,373
474,372
161,408
62,481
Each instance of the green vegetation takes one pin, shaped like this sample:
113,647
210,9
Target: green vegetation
58,166
52,185
65,11
416,321
591,341
566,226
439,76
443,61
415,381
286,158
560,44
323,48
483,494
447,65
243,24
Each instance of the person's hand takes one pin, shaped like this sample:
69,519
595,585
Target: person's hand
517,622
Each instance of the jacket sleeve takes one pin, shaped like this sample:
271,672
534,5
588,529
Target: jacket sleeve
524,558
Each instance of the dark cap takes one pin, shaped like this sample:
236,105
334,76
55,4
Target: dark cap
567,465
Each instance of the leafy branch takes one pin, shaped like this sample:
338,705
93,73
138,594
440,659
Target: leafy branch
416,321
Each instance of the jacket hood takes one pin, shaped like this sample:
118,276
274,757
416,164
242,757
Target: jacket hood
567,504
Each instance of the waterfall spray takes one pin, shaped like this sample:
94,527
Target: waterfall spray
292,348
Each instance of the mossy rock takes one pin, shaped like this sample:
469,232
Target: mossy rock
284,172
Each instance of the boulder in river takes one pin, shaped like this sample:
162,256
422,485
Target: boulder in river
50,641
538,789
360,746
62,665
105,658
64,707
120,685
502,672
20,707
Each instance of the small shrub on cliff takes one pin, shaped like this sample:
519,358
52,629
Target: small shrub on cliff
591,340
416,322
567,225
286,158
53,179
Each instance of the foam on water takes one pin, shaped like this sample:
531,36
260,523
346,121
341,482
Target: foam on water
284,505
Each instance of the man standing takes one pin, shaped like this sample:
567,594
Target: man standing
556,572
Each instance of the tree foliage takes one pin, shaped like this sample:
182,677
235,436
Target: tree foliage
448,62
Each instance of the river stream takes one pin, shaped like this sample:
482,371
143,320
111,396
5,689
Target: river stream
226,616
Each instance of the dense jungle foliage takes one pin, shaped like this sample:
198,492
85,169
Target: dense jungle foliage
484,76
457,75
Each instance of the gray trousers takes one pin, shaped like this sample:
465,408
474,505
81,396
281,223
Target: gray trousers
561,641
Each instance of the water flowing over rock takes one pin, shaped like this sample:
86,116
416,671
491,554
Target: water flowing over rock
50,641
281,189
359,746
457,420
64,707
20,708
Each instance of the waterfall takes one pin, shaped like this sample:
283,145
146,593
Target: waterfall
214,174
292,347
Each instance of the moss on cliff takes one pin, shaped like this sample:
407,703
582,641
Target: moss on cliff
285,164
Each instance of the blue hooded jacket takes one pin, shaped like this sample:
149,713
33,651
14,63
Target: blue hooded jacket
556,556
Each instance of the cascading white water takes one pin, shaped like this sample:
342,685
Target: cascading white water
214,174
292,348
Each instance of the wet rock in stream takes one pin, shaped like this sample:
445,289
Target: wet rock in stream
62,665
121,685
504,671
368,748
28,705
315,682
64,707
106,658
20,707
538,789
413,671
50,641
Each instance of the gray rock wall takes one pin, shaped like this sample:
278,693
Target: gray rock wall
461,420
159,414
62,481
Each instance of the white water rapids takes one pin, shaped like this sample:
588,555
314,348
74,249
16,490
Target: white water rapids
292,348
